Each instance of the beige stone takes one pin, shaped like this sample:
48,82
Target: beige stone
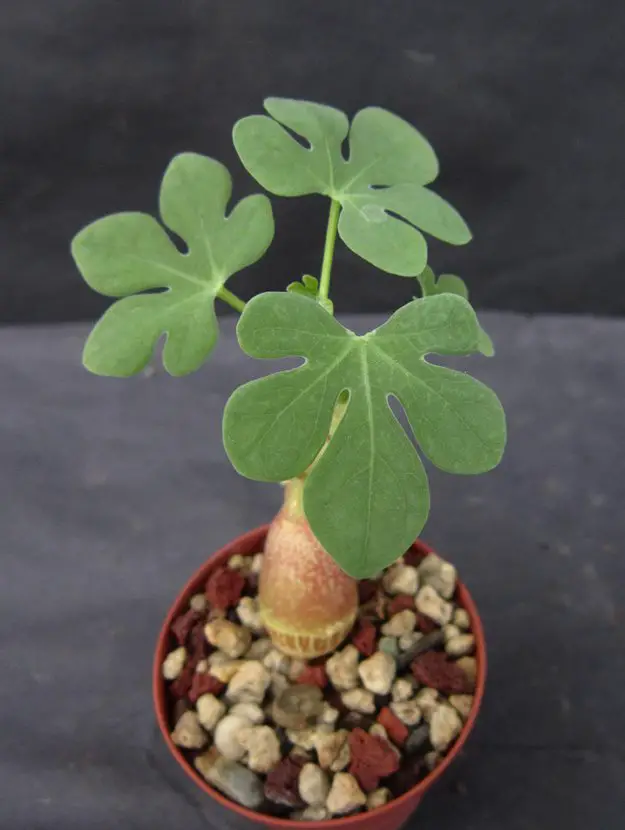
262,746
378,798
359,700
401,579
314,785
345,795
233,640
445,726
409,712
249,684
460,646
439,574
430,603
400,624
173,664
378,673
463,704
342,668
210,711
188,732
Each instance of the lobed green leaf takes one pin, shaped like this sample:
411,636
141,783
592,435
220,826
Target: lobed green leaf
129,253
380,186
366,497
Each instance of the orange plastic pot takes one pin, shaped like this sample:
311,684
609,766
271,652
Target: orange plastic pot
390,817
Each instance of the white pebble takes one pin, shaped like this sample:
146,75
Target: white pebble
462,619
303,738
439,574
345,795
400,624
445,726
173,664
333,750
401,579
462,703
378,673
359,700
249,684
314,785
451,630
250,711
239,563
263,748
378,731
227,737
427,700
311,814
199,603
257,563
403,689
460,646
276,662
378,798
210,711
248,613
431,604
329,715
342,668
223,667
233,640
188,732
409,712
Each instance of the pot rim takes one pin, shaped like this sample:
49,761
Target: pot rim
252,542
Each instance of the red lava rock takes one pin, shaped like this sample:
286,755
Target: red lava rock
182,625
199,646
433,668
203,684
364,637
372,758
281,785
367,589
397,731
425,624
400,603
181,685
314,676
413,557
224,588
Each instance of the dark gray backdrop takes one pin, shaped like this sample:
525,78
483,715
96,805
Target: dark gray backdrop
523,101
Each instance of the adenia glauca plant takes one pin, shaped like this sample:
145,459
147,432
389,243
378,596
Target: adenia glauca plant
355,490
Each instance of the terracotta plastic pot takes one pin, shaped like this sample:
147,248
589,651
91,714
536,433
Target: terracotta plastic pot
390,817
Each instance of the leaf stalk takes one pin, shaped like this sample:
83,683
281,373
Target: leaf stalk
328,250
231,299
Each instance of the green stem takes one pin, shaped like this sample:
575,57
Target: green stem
328,251
232,299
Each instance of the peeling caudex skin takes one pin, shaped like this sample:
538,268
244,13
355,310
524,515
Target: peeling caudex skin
355,490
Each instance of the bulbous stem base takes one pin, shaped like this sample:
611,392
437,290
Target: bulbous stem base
307,603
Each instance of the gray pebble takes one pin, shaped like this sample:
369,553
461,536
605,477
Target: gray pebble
418,740
232,779
430,641
389,645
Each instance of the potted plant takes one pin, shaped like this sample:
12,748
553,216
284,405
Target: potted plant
326,667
